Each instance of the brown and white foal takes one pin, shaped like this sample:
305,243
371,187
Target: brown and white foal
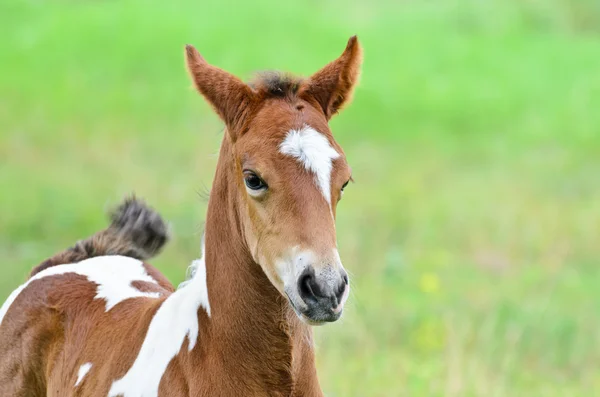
111,325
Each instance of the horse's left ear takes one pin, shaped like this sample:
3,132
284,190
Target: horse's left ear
333,85
228,95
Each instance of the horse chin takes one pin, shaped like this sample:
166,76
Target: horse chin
308,321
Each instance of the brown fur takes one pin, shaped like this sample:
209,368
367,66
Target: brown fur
253,344
332,86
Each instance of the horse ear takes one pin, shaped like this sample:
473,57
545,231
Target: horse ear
333,85
229,96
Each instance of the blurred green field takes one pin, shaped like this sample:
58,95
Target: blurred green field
472,231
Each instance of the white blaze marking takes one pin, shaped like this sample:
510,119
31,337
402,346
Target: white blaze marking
174,320
83,370
112,274
313,150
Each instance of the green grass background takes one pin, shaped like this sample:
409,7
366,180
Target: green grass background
472,231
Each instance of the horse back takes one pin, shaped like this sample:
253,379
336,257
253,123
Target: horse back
55,328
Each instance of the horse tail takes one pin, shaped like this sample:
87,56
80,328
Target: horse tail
135,230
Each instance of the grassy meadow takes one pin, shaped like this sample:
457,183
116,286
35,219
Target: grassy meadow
472,233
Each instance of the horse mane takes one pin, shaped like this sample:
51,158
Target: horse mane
276,84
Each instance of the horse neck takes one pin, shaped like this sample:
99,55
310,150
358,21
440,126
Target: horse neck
256,335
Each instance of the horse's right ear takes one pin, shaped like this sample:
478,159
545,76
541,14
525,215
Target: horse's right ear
228,95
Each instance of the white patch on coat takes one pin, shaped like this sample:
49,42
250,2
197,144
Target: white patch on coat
176,319
112,274
83,370
313,150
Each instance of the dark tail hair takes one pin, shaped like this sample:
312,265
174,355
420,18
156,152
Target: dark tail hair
136,231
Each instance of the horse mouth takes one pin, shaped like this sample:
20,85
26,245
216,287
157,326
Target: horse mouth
312,316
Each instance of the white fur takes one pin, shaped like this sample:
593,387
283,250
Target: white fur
112,274
313,150
292,264
175,320
83,370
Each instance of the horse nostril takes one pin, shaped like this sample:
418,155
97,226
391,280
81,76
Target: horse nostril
305,283
341,290
308,286
345,278
305,287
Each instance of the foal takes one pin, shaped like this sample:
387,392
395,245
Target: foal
111,325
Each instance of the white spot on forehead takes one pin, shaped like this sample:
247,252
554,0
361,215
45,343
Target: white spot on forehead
112,274
83,370
176,319
313,150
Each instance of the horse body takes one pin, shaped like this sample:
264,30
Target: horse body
61,304
95,320
159,342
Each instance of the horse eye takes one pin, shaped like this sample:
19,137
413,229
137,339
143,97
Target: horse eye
344,186
253,181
